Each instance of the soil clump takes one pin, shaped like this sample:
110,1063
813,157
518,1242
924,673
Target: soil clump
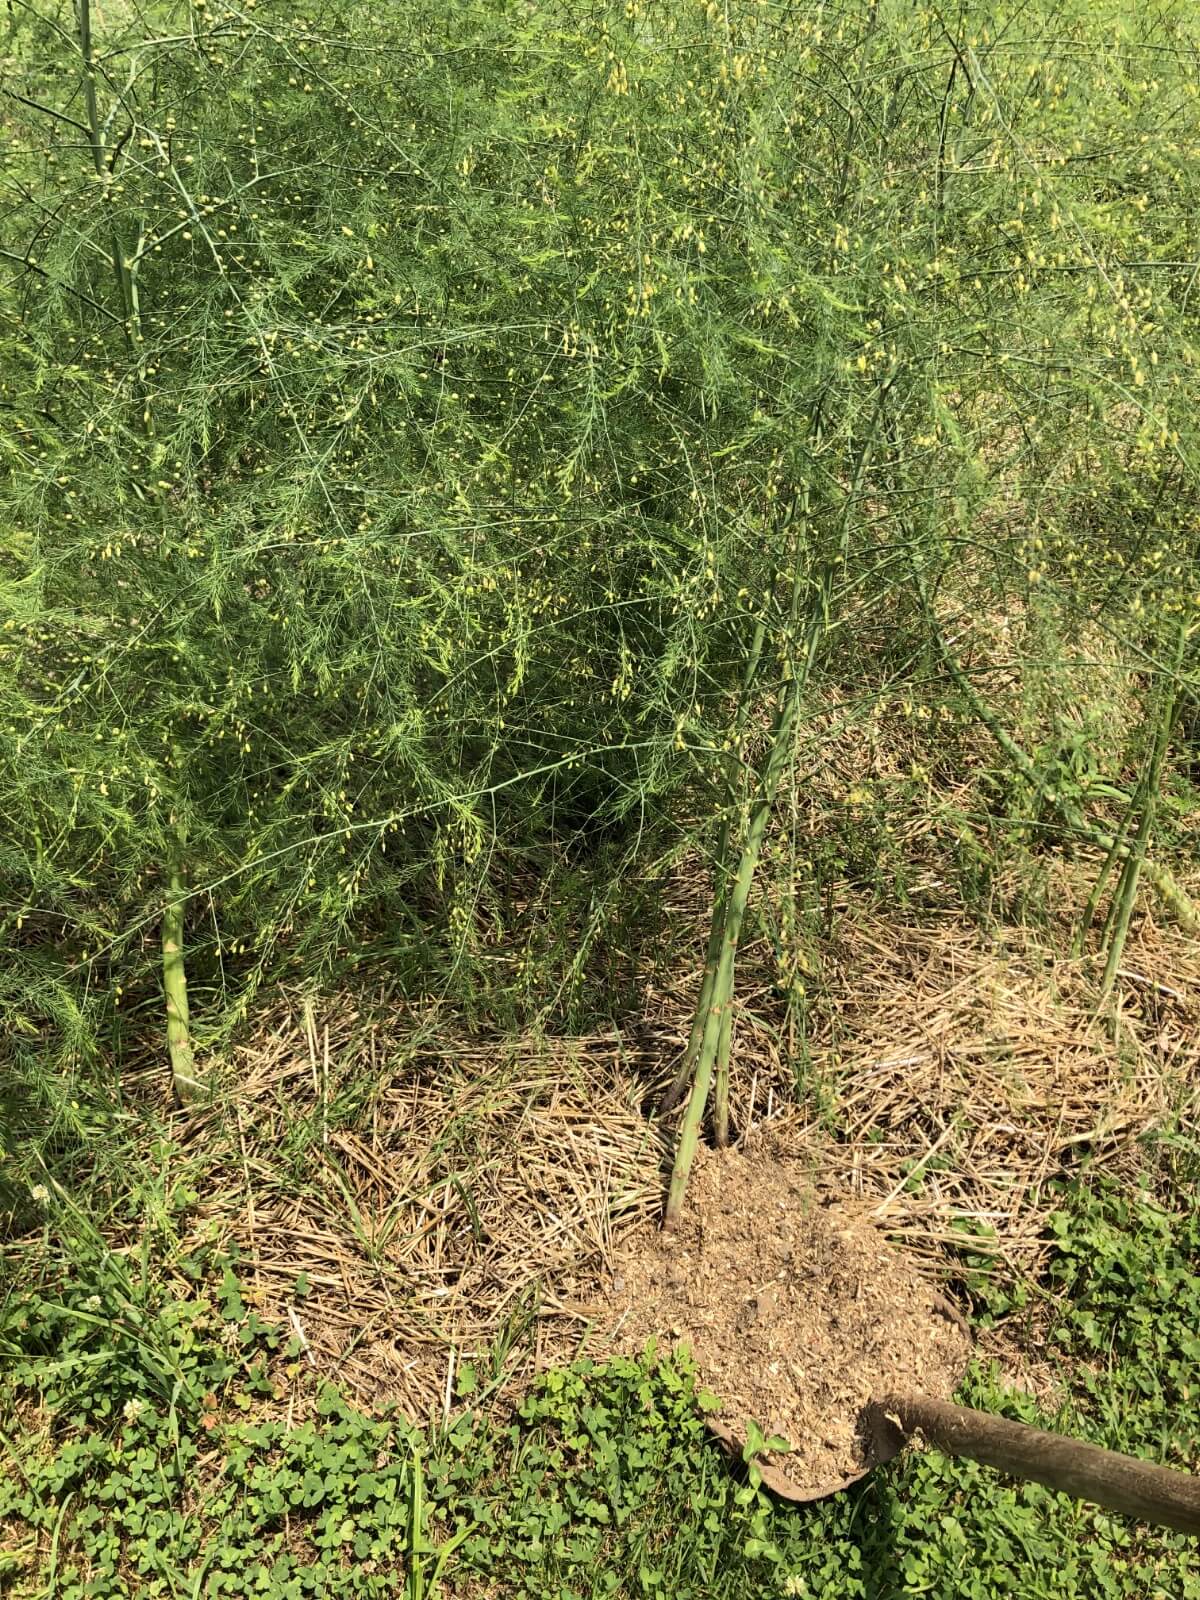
796,1310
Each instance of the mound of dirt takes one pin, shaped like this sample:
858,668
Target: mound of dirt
796,1312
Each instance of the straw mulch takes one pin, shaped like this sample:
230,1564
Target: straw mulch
975,1073
451,1200
436,1202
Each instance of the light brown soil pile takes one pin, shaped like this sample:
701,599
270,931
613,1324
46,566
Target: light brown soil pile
796,1312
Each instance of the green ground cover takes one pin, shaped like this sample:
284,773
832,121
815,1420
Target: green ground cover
156,1457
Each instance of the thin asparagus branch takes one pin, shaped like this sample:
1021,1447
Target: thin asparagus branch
1177,902
1135,859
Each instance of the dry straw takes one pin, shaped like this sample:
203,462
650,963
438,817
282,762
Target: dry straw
463,1206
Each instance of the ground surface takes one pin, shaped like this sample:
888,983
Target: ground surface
201,1405
796,1311
175,1462
439,1197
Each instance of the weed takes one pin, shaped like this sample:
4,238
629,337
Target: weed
605,1482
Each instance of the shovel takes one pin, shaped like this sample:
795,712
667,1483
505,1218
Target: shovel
1126,1484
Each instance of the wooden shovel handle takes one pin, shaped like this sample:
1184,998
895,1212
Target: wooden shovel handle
1121,1483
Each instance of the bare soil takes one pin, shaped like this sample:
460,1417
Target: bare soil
796,1310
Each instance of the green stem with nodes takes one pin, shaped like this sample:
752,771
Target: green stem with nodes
683,1077
1180,906
678,1085
1101,883
717,1013
124,265
185,1085
1135,857
715,1006
721,1095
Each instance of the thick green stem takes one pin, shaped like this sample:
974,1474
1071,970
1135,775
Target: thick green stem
679,1084
121,271
184,1082
718,1013
83,27
723,983
683,1077
124,264
1124,894
1101,883
689,1131
1117,854
721,1094
722,994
